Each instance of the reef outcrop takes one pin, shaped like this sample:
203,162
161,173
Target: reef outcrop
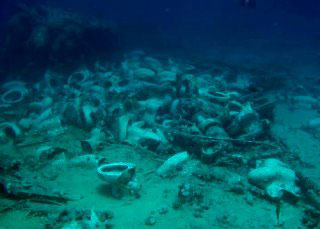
42,37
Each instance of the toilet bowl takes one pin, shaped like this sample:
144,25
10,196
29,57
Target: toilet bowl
117,173
14,92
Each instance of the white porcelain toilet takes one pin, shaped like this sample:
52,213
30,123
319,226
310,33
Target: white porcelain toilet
119,176
117,173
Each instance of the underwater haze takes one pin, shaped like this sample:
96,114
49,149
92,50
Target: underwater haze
159,114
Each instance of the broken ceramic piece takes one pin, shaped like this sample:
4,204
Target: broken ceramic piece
275,178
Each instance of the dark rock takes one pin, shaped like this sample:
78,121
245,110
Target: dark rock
104,215
204,206
311,217
163,210
150,221
65,216
177,203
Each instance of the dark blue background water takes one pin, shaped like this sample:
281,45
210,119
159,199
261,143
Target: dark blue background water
277,31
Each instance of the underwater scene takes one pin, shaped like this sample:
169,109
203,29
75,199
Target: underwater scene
189,114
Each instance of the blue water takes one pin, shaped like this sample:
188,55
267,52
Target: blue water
207,27
96,82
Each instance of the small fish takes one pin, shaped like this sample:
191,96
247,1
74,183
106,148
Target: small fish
250,4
